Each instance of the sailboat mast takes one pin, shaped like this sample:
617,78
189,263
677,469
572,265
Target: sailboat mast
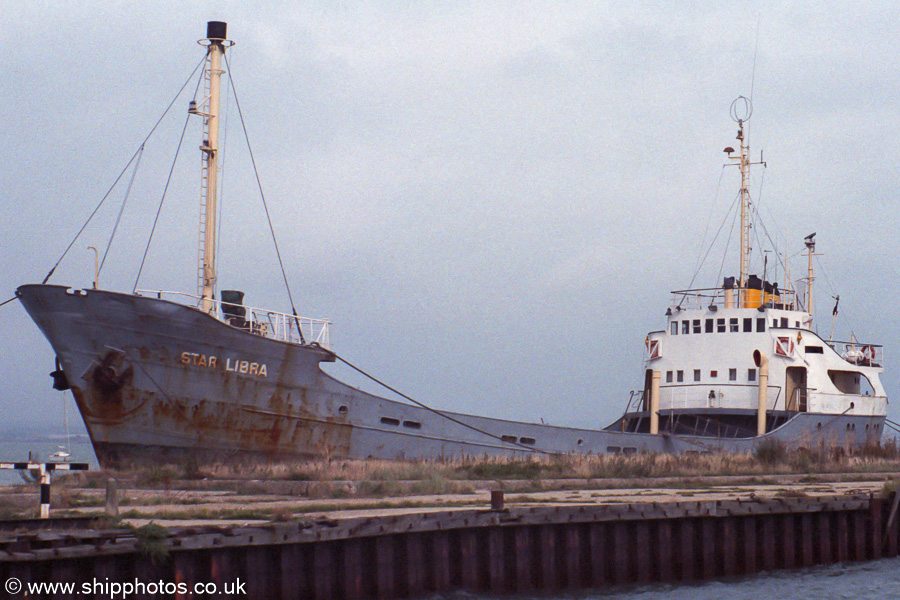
216,43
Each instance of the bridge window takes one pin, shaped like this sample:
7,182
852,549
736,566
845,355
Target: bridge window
748,325
761,324
697,326
720,325
709,325
733,325
674,327
685,327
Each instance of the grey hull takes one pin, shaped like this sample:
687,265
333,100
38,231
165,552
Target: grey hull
124,357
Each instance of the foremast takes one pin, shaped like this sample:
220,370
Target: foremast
208,108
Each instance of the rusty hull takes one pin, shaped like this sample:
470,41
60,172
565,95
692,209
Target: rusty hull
142,374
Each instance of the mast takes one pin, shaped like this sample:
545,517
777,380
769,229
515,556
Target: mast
810,242
208,108
741,109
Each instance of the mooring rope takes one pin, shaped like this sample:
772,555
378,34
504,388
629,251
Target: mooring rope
426,407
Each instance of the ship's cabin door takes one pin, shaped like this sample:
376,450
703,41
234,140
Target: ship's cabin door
795,388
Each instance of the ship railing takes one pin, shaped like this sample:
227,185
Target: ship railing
866,355
704,396
260,321
733,298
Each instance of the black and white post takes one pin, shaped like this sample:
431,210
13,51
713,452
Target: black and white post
45,470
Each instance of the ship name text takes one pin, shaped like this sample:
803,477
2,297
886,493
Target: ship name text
245,367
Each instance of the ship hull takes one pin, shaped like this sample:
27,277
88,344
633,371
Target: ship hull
156,381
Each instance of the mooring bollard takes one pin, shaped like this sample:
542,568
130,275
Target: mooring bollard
45,469
497,500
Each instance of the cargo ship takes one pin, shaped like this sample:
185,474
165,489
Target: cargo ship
173,377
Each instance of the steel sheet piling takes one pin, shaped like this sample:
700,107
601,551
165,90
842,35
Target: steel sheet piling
547,548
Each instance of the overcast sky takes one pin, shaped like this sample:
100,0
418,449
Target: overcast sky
491,200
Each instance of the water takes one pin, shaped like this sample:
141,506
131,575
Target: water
874,580
16,444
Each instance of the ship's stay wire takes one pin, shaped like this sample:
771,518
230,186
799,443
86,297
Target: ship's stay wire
112,235
701,257
730,233
426,407
713,243
262,195
122,173
833,292
165,191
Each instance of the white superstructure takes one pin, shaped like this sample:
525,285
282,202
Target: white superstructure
742,359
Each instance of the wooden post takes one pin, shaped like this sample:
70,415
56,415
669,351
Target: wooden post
112,497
